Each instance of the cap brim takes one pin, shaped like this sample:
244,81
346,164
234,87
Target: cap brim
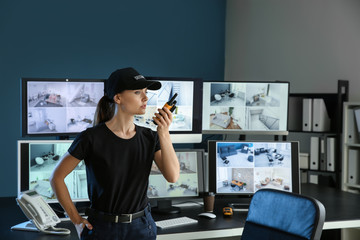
151,85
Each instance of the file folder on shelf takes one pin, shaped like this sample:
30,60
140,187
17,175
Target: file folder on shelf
323,155
357,118
304,160
314,153
357,124
314,179
352,136
320,118
307,115
331,153
353,167
304,176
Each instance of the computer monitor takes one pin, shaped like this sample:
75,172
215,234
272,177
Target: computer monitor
189,185
36,162
245,108
186,125
240,168
38,158
58,107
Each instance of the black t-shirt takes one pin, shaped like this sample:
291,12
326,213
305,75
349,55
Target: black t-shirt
117,169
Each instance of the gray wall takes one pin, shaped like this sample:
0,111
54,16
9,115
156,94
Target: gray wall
311,44
90,39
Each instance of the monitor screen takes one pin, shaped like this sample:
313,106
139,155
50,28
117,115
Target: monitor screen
186,125
58,107
242,168
38,158
190,183
36,162
245,107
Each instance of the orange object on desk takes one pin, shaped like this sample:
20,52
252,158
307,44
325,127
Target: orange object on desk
227,211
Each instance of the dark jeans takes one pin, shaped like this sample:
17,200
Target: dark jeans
143,228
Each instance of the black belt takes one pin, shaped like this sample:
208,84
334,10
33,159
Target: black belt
121,218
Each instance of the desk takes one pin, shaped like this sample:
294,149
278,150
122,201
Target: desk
342,211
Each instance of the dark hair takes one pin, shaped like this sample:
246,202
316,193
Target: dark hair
105,110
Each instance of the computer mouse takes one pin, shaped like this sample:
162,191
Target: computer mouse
207,215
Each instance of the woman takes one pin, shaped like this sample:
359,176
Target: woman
118,155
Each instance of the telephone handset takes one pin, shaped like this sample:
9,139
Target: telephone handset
40,213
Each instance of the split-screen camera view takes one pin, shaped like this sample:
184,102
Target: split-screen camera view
62,107
248,167
245,106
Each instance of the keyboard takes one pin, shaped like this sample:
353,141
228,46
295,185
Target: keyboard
175,222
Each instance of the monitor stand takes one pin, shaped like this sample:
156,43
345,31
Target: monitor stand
165,207
25,226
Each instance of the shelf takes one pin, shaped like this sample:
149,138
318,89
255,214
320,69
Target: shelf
353,145
327,133
352,185
351,149
334,107
317,171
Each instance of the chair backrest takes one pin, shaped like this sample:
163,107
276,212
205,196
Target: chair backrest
275,214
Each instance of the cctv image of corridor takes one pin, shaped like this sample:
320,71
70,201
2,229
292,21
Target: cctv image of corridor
262,118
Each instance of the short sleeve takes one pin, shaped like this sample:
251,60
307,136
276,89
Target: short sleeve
157,142
80,146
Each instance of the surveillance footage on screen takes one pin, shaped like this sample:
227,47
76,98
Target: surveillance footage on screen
61,107
247,167
245,106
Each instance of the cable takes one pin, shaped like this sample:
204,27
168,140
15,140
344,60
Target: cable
51,229
56,231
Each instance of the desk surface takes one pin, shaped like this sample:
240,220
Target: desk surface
342,211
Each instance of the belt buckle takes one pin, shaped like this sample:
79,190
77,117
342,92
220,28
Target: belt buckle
130,218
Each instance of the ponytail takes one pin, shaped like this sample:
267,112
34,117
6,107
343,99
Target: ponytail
104,111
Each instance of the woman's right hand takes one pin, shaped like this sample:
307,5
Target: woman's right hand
81,225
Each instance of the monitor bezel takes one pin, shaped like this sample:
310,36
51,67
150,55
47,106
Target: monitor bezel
23,166
249,131
24,107
195,135
295,169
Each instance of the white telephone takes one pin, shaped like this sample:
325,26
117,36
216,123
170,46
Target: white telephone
40,213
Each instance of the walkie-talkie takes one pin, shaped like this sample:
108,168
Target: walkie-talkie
170,104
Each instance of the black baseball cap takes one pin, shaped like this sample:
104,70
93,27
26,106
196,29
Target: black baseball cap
127,79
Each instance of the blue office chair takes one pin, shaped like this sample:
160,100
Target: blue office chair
280,215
